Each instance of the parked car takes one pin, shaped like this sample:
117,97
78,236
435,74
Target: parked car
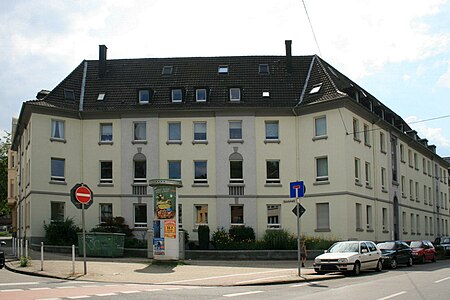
395,253
444,242
349,256
422,251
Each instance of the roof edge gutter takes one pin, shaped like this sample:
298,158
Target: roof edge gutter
302,95
83,86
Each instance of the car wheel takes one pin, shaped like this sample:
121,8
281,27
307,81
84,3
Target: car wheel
410,262
379,267
357,269
393,263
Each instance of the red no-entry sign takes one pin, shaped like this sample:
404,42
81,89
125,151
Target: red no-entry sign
83,194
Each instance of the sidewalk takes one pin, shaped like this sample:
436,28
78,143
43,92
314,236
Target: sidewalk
147,271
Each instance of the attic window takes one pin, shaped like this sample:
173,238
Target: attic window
266,94
101,97
263,69
235,94
167,70
144,96
177,95
223,69
69,95
316,88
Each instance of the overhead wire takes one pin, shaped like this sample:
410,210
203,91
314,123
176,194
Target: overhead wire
312,29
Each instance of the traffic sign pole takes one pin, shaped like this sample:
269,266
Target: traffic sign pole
84,238
299,256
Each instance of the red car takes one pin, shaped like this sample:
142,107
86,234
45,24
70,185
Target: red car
422,251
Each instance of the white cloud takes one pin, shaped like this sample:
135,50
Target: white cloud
444,79
434,135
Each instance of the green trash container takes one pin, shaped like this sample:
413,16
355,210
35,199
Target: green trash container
102,244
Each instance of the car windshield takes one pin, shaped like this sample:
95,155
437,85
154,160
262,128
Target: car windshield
344,247
446,241
416,244
386,246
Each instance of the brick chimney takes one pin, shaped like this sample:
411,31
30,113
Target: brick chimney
102,61
288,55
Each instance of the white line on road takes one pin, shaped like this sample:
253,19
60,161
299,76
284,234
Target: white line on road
444,279
12,290
66,287
392,296
262,279
18,283
40,289
130,292
79,297
302,284
242,294
106,294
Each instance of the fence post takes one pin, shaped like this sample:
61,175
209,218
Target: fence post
42,256
26,248
73,259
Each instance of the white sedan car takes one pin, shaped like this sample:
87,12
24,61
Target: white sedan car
349,256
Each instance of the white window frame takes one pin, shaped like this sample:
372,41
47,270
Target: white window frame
235,94
196,131
100,205
139,224
275,123
141,93
106,180
322,178
62,131
270,223
103,133
198,94
273,180
134,131
56,178
320,119
200,180
204,220
169,131
323,210
177,95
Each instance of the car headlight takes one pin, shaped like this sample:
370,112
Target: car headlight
342,260
317,260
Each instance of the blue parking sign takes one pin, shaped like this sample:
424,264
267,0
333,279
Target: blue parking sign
297,189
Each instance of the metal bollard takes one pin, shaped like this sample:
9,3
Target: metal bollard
42,256
26,248
13,246
21,247
73,259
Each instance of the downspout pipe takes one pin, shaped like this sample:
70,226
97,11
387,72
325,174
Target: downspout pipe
80,110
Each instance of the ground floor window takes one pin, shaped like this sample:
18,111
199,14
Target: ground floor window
105,212
273,216
57,211
201,214
323,216
237,214
140,215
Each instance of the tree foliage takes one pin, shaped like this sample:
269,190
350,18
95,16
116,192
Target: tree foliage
5,144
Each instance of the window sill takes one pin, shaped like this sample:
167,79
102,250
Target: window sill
57,182
369,187
325,182
272,141
358,183
268,184
368,145
384,190
357,140
174,142
199,142
413,233
140,228
417,200
197,184
404,197
58,140
236,184
322,230
139,142
385,231
395,183
105,184
359,229
106,143
383,151
237,141
322,137
417,169
370,230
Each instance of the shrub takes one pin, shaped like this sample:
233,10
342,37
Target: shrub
221,239
61,233
279,240
135,243
317,243
242,234
25,261
114,225
203,237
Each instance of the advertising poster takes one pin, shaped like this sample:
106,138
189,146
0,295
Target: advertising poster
158,246
164,202
170,229
158,230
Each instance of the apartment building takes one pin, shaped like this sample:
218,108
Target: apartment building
236,131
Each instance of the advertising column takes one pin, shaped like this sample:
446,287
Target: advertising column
165,219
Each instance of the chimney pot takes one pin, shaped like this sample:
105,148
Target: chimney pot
288,44
102,61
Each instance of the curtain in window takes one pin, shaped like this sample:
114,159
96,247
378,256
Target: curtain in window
140,132
323,216
57,129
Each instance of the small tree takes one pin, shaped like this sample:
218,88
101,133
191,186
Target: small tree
61,233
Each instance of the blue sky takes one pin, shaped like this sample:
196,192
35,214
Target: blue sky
399,51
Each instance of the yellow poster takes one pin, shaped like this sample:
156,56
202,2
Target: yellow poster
170,229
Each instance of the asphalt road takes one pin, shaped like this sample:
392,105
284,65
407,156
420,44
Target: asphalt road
427,281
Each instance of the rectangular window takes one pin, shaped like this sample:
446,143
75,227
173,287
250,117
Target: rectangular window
358,217
106,132
69,95
235,94
424,166
223,69
57,129
201,174
199,131
140,131
273,216
426,225
273,171
140,215
417,191
410,158
201,214
416,162
144,96
383,178
403,186
235,130
382,142
368,173
167,70
320,126
425,199
263,69
105,212
402,153
271,130
417,224
57,211
322,169
58,169
366,135
140,171
430,199
237,214
429,168
384,215
323,216
369,217
411,190
175,169
175,131
200,95
412,224
357,170
236,171
404,222
106,172
356,129
180,215
177,95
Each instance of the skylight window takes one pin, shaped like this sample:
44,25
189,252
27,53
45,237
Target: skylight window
167,70
200,95
263,69
177,95
316,88
101,97
266,94
235,94
144,96
223,69
69,95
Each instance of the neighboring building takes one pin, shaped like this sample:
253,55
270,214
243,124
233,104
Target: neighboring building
12,181
236,131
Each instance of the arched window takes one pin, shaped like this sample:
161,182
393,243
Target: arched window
140,168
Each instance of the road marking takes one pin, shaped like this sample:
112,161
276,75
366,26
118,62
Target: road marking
40,289
79,297
18,283
261,279
66,287
12,290
49,299
392,296
106,294
173,289
89,286
444,279
130,292
242,294
224,276
302,284
151,290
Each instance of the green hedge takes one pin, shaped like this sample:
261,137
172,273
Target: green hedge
61,233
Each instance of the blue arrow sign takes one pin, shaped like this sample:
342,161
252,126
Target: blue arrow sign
297,189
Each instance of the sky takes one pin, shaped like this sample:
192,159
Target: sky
399,51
